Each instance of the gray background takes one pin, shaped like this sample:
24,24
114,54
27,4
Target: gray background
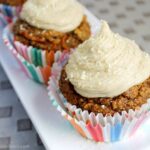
130,18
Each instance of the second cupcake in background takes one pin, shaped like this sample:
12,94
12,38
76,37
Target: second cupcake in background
105,87
52,25
48,27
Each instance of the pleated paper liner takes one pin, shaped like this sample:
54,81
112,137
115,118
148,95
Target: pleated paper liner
40,57
97,128
35,56
9,11
38,73
3,21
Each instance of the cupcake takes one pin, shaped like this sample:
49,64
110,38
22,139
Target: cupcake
10,8
104,86
39,73
61,28
37,39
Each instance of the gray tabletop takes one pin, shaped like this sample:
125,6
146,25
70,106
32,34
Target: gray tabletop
130,18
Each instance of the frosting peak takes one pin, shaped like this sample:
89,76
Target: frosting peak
58,15
107,65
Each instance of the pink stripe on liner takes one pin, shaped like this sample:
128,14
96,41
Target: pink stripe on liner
15,55
99,133
18,10
6,42
22,50
92,132
23,68
138,123
25,53
62,58
18,49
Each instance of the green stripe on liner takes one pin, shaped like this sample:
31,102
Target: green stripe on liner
39,58
34,56
32,71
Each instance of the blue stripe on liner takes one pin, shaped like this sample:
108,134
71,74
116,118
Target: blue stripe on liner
115,132
8,11
32,71
34,56
39,57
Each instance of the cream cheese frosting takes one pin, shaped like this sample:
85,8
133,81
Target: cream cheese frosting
58,15
107,65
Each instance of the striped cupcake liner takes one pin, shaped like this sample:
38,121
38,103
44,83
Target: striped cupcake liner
42,58
10,11
3,21
36,56
91,126
8,14
38,73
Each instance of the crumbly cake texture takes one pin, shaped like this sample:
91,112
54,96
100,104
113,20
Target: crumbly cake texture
12,2
133,99
50,39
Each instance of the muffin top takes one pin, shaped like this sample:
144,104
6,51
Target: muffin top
58,15
107,65
12,2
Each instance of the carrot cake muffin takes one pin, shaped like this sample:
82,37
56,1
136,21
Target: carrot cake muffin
107,74
12,2
52,25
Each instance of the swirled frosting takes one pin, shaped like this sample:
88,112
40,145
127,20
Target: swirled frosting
59,15
107,65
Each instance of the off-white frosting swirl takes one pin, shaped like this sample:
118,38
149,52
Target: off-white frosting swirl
59,15
107,65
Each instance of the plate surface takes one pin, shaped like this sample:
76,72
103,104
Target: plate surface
55,132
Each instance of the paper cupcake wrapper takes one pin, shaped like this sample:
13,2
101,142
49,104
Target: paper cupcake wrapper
36,56
9,11
3,20
97,128
37,73
42,58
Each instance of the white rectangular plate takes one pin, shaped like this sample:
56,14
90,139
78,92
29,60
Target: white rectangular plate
55,132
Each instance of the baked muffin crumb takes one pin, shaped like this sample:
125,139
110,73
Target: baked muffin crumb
12,2
133,99
50,39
